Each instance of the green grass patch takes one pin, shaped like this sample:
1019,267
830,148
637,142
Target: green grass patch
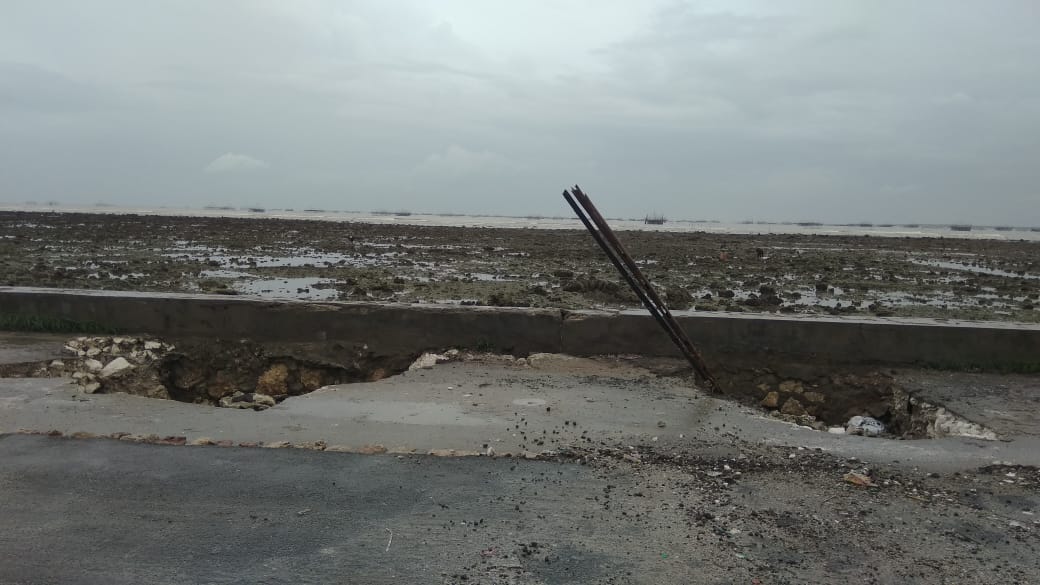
47,324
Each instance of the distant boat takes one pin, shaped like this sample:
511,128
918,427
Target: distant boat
257,210
961,227
910,225
654,220
1035,229
1003,228
809,223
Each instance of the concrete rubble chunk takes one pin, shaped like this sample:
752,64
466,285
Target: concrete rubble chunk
114,367
864,425
152,345
263,400
91,387
428,360
93,365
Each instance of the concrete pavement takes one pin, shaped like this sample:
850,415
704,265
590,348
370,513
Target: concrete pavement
471,406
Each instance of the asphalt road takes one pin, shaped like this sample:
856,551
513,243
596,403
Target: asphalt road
107,512
111,512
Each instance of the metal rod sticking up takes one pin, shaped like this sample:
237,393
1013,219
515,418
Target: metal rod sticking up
618,256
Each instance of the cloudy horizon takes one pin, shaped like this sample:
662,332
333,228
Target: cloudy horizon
783,111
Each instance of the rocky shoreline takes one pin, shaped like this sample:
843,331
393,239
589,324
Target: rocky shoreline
321,260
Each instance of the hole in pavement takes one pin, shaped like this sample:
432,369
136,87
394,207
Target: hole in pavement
233,374
248,375
828,397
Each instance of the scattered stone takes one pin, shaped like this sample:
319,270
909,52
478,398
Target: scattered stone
339,448
277,445
858,479
661,424
91,387
92,365
249,444
791,387
92,352
442,452
173,440
312,445
372,449
793,407
83,435
117,435
57,364
134,438
201,442
836,430
114,367
152,345
225,443
772,400
54,433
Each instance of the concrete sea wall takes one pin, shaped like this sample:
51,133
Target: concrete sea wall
394,328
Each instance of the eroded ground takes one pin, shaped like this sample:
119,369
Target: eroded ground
929,277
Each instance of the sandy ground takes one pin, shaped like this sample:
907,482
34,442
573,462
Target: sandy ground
927,277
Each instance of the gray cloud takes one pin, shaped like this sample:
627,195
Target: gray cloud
233,162
823,110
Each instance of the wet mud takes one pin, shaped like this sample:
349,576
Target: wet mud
320,260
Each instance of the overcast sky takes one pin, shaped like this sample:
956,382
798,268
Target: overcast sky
922,111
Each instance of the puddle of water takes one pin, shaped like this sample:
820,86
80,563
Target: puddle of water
288,288
225,274
975,269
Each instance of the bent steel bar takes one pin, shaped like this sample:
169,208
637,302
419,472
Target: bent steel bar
619,257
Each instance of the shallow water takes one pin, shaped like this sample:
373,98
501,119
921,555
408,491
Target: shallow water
567,222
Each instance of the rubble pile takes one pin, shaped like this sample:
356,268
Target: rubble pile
118,364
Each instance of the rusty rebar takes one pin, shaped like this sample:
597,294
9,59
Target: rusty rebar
641,286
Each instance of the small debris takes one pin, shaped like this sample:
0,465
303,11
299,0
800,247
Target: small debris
859,479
